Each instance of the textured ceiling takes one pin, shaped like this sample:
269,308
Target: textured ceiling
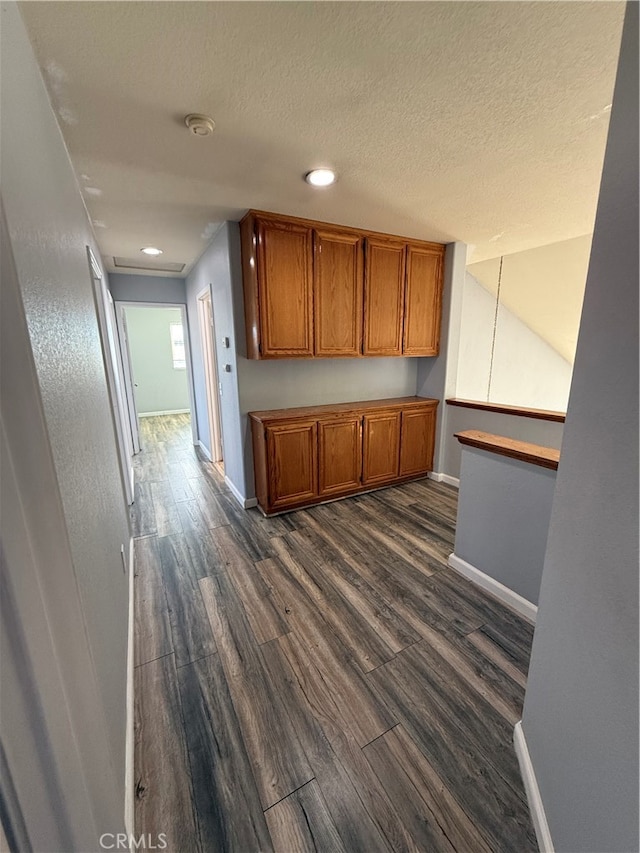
483,122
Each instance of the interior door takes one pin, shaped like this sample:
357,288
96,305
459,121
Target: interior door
113,371
128,378
381,447
340,455
212,383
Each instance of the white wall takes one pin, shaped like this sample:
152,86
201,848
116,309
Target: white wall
527,371
543,287
581,707
56,412
160,387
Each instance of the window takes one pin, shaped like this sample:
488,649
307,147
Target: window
177,346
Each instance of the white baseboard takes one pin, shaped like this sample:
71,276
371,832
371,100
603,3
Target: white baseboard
205,450
129,782
164,412
245,503
536,806
498,590
444,478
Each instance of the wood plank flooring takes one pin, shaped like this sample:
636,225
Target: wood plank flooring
319,681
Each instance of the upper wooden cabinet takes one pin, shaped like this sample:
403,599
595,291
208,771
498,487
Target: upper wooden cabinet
286,318
384,297
318,290
337,290
423,300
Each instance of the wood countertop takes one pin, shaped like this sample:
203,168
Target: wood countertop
536,454
504,409
342,408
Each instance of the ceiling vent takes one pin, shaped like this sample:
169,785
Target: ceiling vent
142,264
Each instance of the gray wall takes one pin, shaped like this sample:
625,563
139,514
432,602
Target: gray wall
255,385
504,508
436,377
581,707
146,288
546,433
48,232
214,271
159,386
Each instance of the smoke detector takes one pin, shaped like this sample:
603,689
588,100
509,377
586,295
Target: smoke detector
200,125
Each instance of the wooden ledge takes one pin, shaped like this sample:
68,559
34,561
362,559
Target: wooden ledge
546,457
502,408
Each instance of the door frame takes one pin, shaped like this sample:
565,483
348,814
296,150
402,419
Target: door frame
132,411
211,375
126,358
114,374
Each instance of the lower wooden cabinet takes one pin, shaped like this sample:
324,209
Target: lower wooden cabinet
292,450
381,447
339,456
313,454
418,441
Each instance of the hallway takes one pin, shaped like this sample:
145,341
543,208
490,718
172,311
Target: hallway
320,680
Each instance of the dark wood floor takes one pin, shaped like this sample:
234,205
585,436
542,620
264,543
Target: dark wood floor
320,680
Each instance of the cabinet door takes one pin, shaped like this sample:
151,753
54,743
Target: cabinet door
338,286
285,289
383,297
423,301
381,447
340,455
292,455
417,439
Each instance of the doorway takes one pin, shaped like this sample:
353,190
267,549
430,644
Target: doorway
114,373
212,380
154,346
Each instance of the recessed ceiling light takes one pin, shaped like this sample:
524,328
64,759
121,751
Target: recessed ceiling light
320,177
151,250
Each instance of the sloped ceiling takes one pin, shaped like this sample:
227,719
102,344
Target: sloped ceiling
479,121
543,287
